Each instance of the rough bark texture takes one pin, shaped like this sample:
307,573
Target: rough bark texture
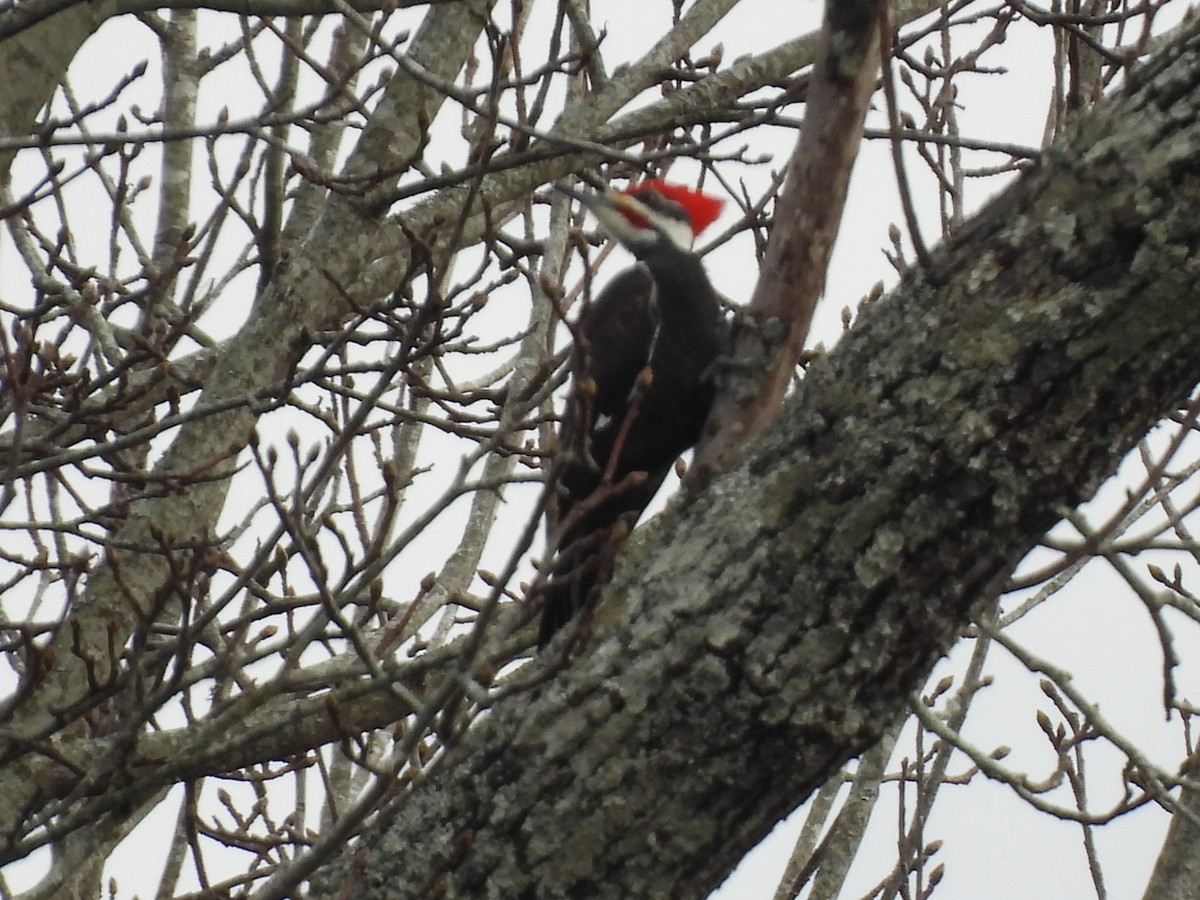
773,630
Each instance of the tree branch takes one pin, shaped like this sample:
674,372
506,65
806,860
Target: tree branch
807,216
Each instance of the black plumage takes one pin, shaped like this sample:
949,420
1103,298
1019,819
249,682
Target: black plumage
642,388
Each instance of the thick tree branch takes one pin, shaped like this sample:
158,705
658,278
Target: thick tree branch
807,217
774,628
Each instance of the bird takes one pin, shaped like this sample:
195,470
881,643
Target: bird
642,371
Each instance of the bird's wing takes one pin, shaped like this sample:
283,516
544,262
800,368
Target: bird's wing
617,336
614,340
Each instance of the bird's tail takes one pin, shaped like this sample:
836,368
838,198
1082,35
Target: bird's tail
579,570
591,535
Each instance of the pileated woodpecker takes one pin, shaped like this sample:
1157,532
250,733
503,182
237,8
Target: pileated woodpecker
642,383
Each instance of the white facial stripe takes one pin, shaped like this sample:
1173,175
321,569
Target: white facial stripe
679,233
612,209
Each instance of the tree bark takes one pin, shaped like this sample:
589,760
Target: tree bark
807,217
1176,874
774,628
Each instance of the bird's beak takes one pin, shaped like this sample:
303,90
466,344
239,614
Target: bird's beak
623,216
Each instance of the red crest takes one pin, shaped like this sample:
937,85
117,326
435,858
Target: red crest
702,209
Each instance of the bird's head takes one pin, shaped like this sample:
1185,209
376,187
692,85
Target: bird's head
643,216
